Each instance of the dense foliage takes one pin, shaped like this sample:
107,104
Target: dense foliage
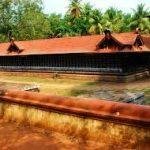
25,20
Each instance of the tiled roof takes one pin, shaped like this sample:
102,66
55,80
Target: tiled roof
126,38
146,40
79,44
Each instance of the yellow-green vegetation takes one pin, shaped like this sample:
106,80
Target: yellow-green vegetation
47,85
74,87
117,135
29,20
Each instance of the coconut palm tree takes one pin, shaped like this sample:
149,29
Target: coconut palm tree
75,8
113,19
95,22
140,19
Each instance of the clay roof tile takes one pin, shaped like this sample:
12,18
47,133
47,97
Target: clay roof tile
79,44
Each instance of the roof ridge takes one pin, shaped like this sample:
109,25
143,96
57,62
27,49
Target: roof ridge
76,44
71,37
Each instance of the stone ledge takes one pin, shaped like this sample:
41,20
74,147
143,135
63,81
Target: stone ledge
84,76
122,113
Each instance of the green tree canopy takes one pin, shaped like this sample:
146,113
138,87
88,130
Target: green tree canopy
25,20
140,19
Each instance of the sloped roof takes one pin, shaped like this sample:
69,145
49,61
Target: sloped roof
79,44
146,40
126,38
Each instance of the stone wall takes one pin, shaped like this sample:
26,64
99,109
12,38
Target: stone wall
83,76
124,125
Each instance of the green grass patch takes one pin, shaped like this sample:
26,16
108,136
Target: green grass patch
78,92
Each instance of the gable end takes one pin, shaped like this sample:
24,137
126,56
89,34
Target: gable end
109,43
138,41
14,48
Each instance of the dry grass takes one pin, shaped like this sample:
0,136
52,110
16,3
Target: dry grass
47,84
84,128
70,87
20,137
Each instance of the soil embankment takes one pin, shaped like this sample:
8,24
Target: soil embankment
21,137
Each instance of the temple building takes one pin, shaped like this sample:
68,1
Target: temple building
110,53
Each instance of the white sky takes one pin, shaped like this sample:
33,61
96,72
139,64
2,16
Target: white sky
60,6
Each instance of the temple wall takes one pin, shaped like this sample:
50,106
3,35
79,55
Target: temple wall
117,63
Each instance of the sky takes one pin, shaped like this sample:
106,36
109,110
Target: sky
61,6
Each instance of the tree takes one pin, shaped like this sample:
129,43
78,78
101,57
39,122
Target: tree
139,19
95,22
31,23
55,22
126,22
6,18
25,20
75,8
113,19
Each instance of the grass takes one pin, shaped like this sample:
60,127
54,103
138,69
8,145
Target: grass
70,87
147,96
83,128
47,85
